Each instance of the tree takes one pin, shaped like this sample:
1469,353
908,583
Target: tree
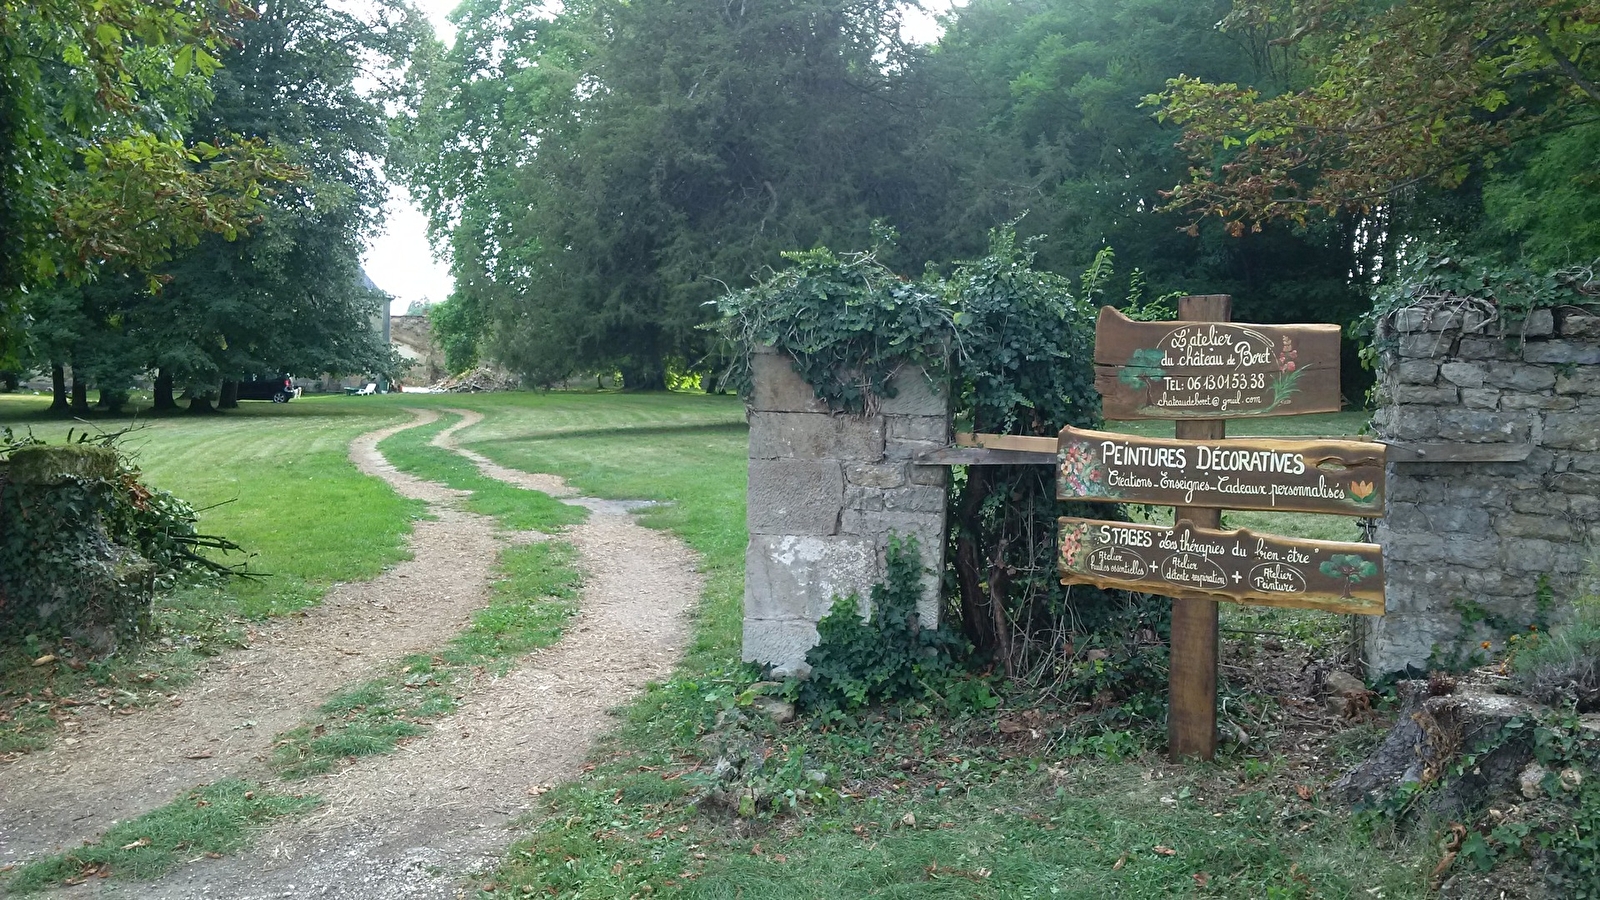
606,171
1401,95
92,171
291,297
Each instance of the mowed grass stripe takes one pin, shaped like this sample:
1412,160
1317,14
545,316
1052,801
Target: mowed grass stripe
514,507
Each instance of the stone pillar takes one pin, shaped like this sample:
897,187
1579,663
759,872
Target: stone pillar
826,491
1467,545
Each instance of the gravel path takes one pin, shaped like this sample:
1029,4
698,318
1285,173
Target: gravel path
415,822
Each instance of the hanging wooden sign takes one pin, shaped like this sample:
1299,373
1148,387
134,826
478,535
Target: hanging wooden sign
1214,370
1340,477
1186,561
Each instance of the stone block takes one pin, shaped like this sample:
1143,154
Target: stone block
915,395
48,465
1437,319
938,476
877,475
1572,483
1425,394
906,450
780,643
1580,325
880,523
1400,642
926,429
865,498
775,435
1563,352
1572,431
1411,423
1549,527
1483,347
1583,507
1521,377
1537,556
1480,398
1472,554
1579,462
1481,426
794,496
916,499
1539,503
777,387
1425,345
1412,547
1405,517
1513,400
797,576
1540,323
1465,517
1579,381
1419,371
1462,374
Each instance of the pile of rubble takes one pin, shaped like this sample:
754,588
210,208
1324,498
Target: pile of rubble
477,380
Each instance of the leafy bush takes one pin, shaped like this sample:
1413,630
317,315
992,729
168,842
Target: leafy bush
887,658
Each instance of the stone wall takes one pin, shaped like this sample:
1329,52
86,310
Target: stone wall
826,491
1466,544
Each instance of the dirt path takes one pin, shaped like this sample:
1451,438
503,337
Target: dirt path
412,823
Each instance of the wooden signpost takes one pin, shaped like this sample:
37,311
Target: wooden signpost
1213,369
1201,371
1340,477
1262,570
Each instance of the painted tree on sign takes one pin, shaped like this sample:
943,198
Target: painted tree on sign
1350,567
1143,371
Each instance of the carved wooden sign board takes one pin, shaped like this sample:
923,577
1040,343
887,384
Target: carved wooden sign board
1338,477
1184,561
1213,370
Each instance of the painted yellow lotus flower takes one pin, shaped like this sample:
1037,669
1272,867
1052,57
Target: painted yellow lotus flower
1362,490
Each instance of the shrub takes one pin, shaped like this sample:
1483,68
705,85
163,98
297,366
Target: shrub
1563,666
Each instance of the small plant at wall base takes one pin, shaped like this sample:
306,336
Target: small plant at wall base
887,658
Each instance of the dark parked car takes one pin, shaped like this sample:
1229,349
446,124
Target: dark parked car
277,388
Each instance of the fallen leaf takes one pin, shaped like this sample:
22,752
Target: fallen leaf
616,869
1165,851
683,829
908,820
1304,791
213,856
1202,879
203,754
141,842
45,660
779,857
756,850
657,833
1121,861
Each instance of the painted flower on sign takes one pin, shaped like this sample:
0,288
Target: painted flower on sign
1363,491
1082,475
1074,546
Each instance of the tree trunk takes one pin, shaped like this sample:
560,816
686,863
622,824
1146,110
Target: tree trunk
978,626
58,388
644,375
80,393
200,405
112,400
10,380
230,395
161,394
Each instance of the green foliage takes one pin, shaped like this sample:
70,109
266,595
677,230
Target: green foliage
1561,667
888,658
1445,276
458,327
218,818
87,550
848,323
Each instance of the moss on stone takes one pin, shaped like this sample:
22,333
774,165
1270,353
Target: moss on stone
41,465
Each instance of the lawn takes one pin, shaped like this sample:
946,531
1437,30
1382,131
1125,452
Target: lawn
897,803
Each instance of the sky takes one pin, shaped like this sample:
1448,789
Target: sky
400,260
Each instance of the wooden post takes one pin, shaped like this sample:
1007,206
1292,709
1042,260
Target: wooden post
1192,684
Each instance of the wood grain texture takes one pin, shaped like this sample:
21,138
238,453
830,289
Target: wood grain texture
1214,369
1317,476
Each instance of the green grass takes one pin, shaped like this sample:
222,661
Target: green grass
275,478
992,820
519,508
216,819
531,601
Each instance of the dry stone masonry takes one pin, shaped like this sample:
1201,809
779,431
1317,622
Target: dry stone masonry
826,492
1468,545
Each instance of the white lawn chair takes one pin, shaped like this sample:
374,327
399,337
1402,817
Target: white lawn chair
371,388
